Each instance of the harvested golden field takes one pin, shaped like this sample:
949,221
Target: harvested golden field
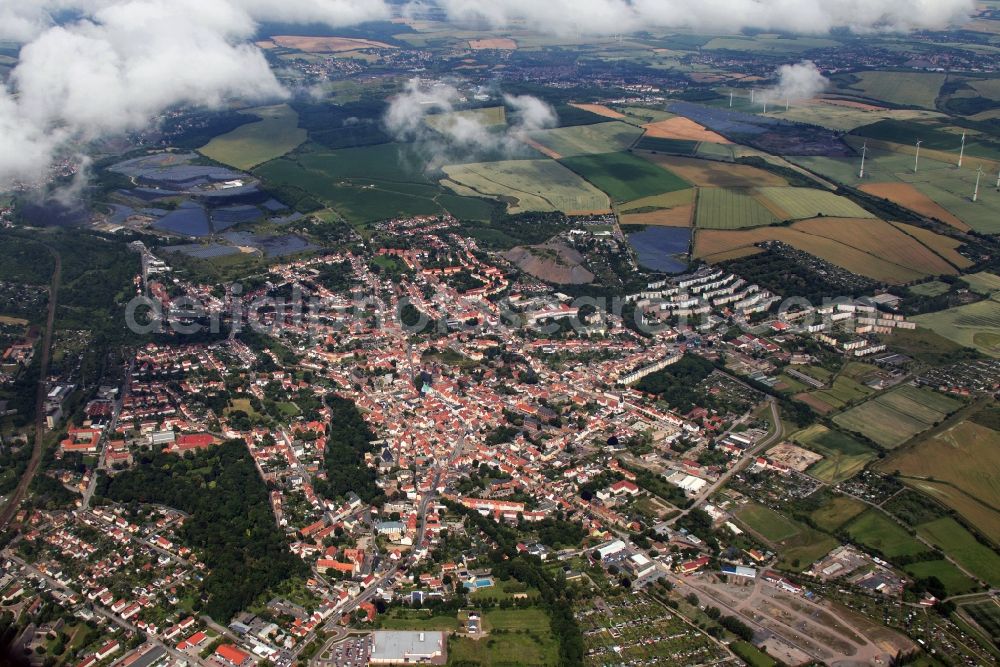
907,196
679,216
666,200
544,150
880,239
499,43
709,173
683,128
942,245
600,110
712,242
735,253
327,44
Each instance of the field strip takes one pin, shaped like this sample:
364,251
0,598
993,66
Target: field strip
848,245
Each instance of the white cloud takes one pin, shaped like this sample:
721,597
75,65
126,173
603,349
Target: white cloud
797,82
451,136
126,61
607,17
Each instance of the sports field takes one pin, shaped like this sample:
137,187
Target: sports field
528,185
843,456
623,176
974,325
275,134
723,208
917,89
893,418
802,203
712,173
965,457
610,137
949,536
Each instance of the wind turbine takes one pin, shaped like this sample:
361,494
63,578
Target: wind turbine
751,95
916,158
961,152
786,104
864,152
730,99
998,180
979,174
765,108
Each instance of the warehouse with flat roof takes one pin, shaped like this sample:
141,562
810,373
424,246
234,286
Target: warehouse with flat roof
396,647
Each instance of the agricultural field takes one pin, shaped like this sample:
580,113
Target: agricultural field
836,512
875,530
562,142
802,203
485,117
965,457
843,456
711,242
623,176
679,216
907,196
715,174
682,128
323,44
722,208
600,110
275,134
770,44
665,201
944,246
798,544
845,116
949,536
895,417
882,240
843,392
913,89
975,325
368,184
528,185
982,282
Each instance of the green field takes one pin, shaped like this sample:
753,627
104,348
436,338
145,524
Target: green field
275,134
843,456
917,89
883,535
722,208
663,145
836,512
526,639
623,176
982,282
415,619
770,44
893,418
367,184
975,325
932,288
955,582
949,536
752,655
527,185
803,203
610,137
843,391
764,521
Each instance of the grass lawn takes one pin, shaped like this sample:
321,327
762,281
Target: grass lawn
410,619
838,511
879,533
955,582
752,655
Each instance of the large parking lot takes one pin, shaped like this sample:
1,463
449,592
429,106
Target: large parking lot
352,652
